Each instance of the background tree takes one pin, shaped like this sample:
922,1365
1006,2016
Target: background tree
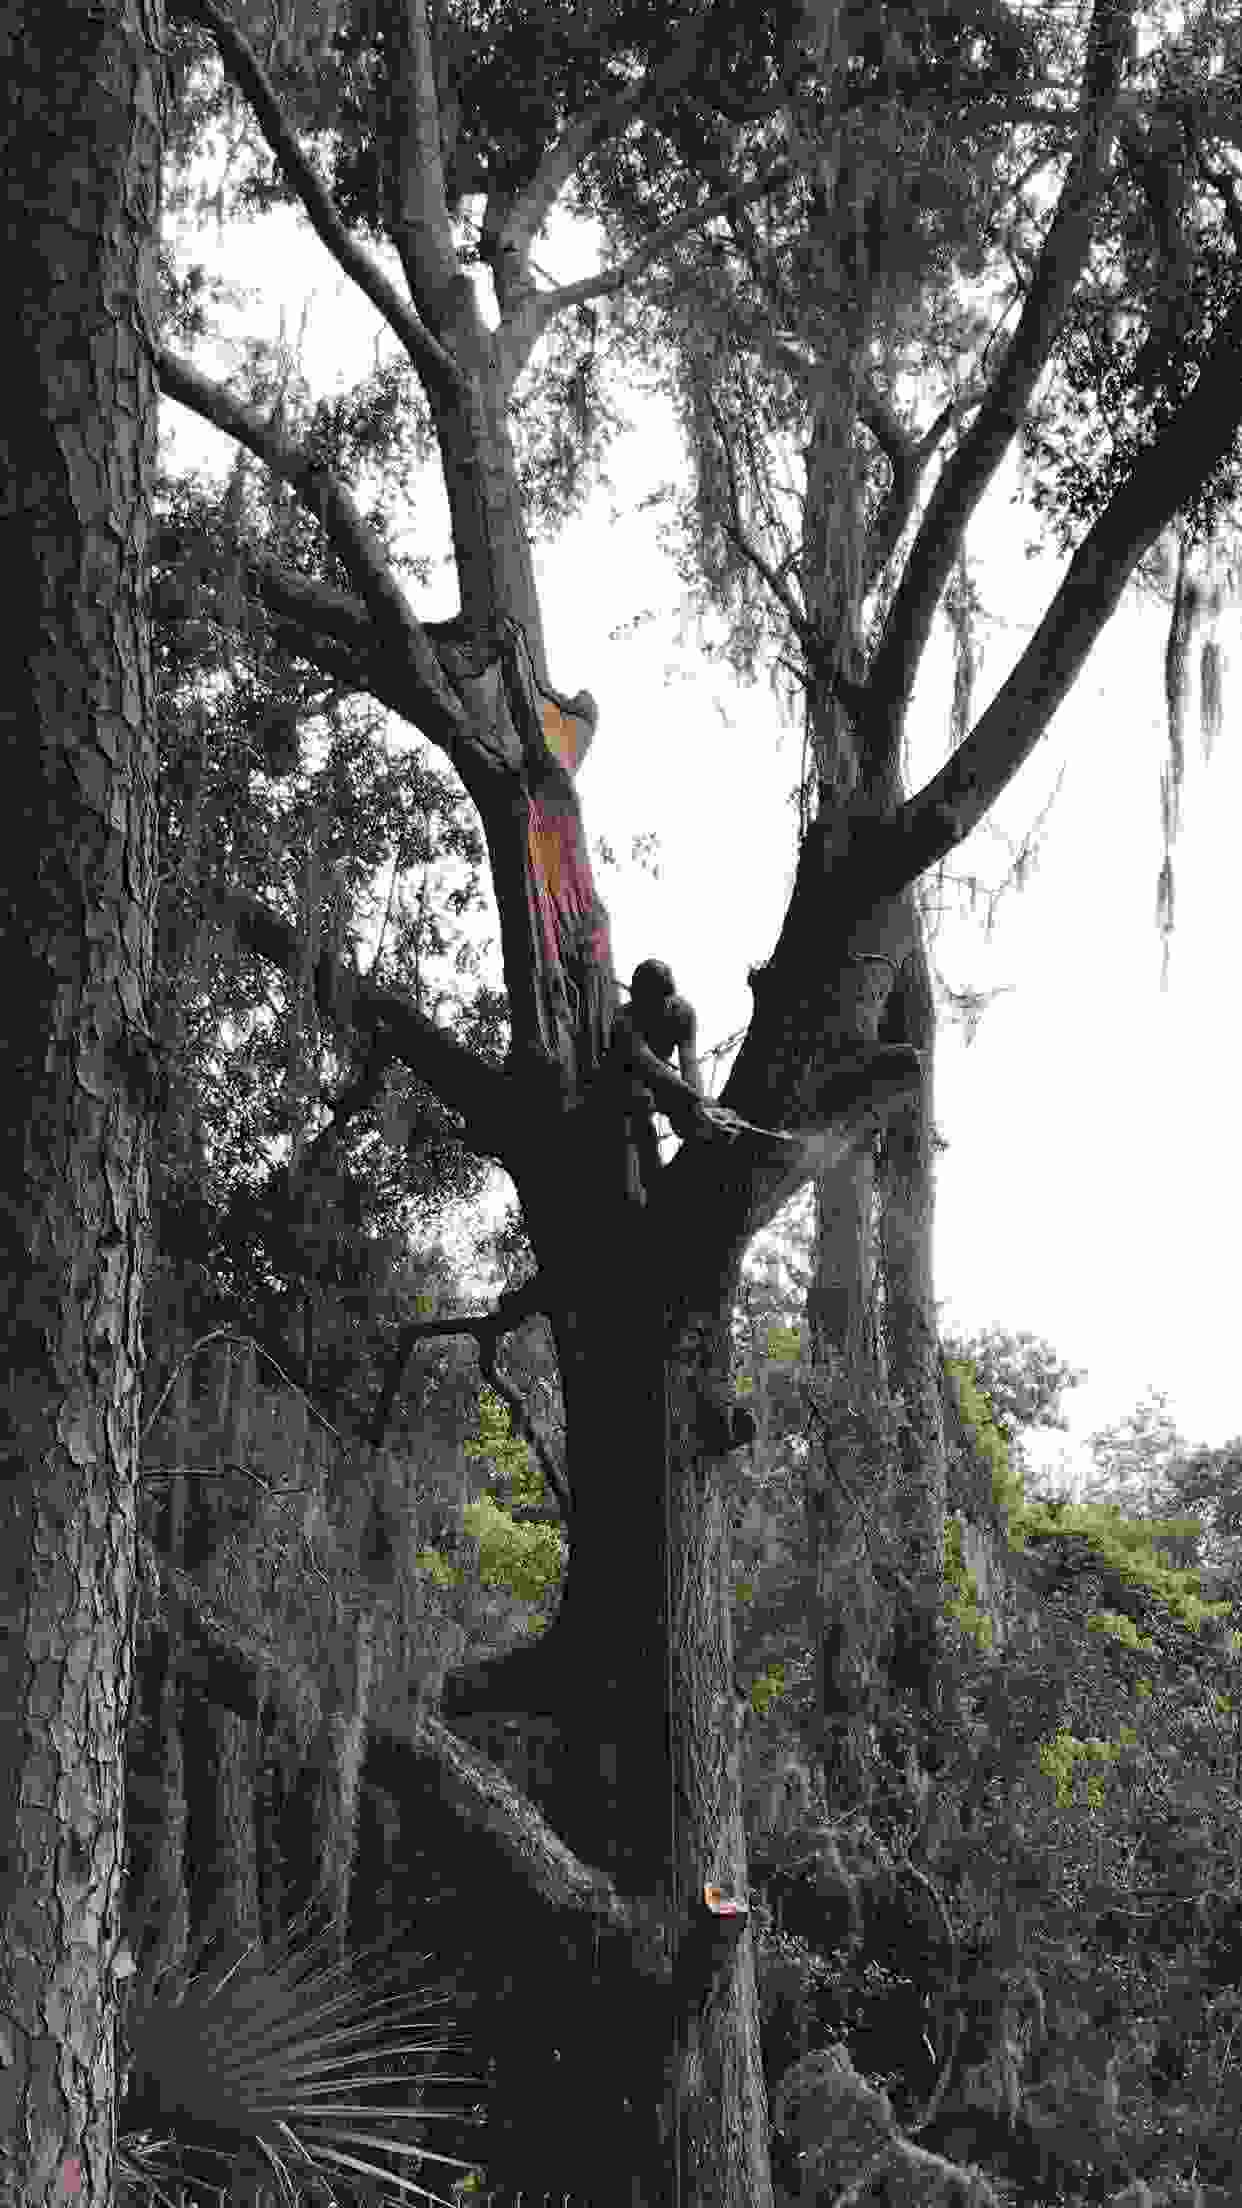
1022,1377
81,129
862,313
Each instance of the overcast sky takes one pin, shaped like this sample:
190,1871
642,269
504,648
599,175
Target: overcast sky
1089,1192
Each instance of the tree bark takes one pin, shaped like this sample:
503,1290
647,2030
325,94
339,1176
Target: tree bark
81,137
912,1344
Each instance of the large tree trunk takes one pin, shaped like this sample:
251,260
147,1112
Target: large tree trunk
912,1344
81,89
843,1495
637,1675
846,1502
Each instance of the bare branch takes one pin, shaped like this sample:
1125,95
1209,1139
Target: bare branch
396,631
968,473
230,1334
737,536
435,366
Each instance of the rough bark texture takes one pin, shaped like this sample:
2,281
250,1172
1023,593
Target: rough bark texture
81,101
912,1344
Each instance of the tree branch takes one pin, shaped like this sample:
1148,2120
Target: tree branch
1164,481
418,214
481,1094
508,234
395,630
478,1791
516,337
737,536
843,1109
486,1327
908,460
968,473
318,607
435,366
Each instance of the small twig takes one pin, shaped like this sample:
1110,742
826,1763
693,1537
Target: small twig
941,2085
244,1341
219,1472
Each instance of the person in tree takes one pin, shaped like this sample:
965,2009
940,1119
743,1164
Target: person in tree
645,1034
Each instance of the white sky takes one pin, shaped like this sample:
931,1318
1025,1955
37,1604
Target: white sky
1089,1192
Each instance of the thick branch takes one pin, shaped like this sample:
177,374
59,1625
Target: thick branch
435,366
483,1797
318,607
418,213
328,627
908,462
482,1094
486,1327
853,1099
242,1679
440,713
968,473
1164,481
814,1122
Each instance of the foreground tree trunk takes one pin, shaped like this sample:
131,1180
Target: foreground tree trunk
82,136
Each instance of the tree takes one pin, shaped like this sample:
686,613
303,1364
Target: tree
425,112
907,301
83,118
1022,1377
1144,1466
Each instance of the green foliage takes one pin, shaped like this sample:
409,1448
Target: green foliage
527,1560
1134,1460
1130,1547
1059,1757
1121,1629
284,2051
1021,1376
986,1437
767,1689
496,1440
784,1344
438,1568
962,1598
